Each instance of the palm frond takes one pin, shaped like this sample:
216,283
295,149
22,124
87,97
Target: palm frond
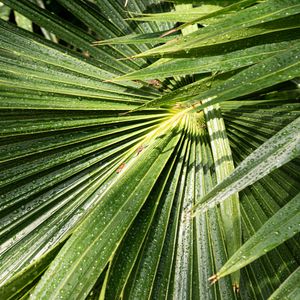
140,156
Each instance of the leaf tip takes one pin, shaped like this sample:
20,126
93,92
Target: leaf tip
236,288
169,32
126,58
124,113
213,279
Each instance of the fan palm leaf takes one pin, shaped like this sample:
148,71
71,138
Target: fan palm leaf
147,146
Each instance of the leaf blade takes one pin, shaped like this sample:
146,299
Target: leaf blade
280,227
278,150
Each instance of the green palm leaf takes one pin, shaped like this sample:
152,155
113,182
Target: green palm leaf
266,11
289,288
282,226
278,150
116,123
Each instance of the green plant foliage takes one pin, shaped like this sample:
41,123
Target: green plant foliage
269,236
146,145
289,288
278,150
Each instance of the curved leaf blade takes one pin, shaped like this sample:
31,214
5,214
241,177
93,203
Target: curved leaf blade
205,64
275,152
289,288
279,228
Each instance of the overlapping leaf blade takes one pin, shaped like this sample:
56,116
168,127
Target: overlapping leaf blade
289,288
264,12
282,226
278,150
113,216
218,63
65,149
